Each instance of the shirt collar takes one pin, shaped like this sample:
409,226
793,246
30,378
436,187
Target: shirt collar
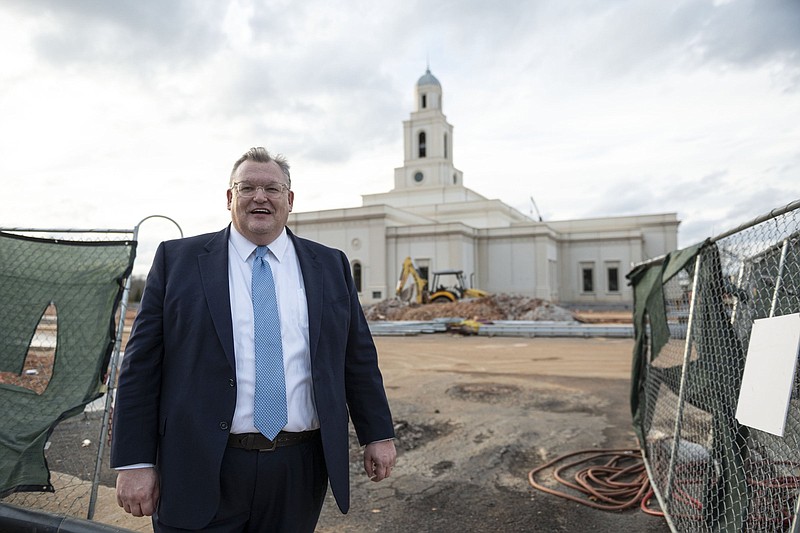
244,248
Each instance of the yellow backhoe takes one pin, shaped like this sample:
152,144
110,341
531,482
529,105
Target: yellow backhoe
447,286
416,290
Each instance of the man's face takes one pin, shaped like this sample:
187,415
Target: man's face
260,219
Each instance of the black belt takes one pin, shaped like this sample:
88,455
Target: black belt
257,441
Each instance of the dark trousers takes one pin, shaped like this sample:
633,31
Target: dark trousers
278,491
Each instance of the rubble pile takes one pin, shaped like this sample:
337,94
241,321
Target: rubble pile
495,307
516,307
391,309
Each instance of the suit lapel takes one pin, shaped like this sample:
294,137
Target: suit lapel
312,281
214,273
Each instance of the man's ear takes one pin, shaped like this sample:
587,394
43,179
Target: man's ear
230,198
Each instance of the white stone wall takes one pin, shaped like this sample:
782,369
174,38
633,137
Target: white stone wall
539,259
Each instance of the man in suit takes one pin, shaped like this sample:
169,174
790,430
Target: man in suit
185,441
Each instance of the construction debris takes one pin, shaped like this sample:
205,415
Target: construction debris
494,307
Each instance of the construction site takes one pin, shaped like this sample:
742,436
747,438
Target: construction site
511,413
473,415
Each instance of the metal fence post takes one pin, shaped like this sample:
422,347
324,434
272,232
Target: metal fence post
112,376
687,351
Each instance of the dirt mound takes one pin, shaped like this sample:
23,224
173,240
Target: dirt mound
495,307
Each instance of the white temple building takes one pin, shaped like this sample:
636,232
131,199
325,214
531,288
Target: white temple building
433,218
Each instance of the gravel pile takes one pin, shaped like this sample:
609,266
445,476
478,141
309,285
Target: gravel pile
495,307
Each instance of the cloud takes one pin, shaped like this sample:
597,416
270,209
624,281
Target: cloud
727,210
609,37
751,32
597,41
635,106
126,33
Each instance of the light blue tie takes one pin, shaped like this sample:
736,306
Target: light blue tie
269,402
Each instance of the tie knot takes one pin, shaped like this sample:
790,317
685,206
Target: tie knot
261,251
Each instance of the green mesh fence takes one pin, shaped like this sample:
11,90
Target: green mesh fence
693,316
58,300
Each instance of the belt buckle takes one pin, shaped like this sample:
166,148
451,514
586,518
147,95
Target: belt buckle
272,448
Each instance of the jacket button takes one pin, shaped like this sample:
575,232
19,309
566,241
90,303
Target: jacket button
232,382
223,425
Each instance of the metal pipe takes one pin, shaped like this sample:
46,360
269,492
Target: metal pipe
112,375
778,211
739,284
773,306
779,278
687,351
657,492
68,230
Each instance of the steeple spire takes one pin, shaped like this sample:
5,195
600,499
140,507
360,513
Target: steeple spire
428,141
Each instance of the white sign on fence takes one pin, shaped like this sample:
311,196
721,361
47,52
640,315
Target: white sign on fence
769,373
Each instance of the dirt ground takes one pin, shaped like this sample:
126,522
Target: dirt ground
473,416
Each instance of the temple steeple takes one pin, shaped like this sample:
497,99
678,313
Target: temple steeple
428,141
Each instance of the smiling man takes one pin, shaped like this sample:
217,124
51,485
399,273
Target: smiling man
260,218
249,351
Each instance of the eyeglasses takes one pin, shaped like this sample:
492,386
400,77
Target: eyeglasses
245,189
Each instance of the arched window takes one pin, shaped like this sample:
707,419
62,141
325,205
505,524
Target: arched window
357,275
422,144
424,101
445,146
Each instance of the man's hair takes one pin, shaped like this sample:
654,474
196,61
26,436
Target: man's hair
260,155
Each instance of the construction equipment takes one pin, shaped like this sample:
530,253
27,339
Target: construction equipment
443,291
450,285
417,290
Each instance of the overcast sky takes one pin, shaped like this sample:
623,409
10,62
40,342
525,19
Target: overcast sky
111,111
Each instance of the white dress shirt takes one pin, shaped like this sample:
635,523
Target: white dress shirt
293,311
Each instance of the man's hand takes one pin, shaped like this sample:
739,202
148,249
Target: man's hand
379,458
137,491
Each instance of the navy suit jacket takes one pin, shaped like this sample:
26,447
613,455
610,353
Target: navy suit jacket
177,385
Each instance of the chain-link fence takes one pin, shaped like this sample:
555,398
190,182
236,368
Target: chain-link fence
694,313
60,295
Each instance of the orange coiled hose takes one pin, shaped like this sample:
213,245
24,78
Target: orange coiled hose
617,484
